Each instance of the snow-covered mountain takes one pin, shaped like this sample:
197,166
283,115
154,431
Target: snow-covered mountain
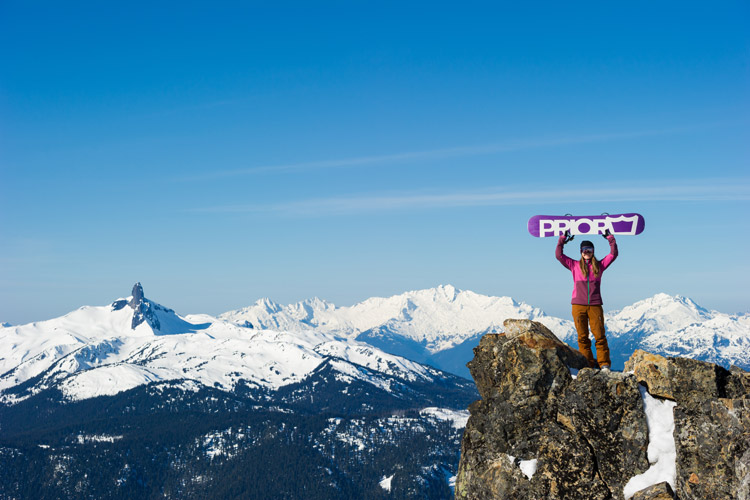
437,326
133,341
440,326
677,326
312,393
131,400
437,318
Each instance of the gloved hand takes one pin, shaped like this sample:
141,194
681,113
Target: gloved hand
608,236
565,237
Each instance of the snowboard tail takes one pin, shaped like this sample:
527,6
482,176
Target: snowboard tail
542,226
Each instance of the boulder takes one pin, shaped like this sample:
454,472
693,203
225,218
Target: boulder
687,381
652,371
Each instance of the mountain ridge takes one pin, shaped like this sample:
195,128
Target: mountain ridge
437,326
427,315
105,350
428,324
79,380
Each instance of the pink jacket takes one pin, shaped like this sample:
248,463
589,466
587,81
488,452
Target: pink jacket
587,291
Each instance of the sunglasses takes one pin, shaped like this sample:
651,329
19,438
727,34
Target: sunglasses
587,249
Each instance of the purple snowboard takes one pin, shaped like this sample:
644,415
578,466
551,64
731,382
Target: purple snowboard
542,226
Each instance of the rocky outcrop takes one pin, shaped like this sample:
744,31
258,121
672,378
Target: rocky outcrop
143,309
712,422
549,427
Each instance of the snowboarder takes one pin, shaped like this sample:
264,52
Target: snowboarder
587,299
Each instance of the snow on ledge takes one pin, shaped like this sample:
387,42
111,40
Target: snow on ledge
662,454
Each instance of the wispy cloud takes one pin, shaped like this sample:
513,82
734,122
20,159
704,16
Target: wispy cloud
438,154
702,190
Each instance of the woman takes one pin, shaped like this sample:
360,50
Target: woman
587,299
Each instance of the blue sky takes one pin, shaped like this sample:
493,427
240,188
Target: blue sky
222,152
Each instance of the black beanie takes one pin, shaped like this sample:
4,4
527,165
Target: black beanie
586,243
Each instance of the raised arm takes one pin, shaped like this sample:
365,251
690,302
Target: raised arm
609,259
564,259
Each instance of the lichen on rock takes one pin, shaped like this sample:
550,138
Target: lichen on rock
589,435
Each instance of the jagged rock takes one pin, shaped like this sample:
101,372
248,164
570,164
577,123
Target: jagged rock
693,381
524,359
711,441
712,421
137,294
738,384
532,408
568,468
652,371
606,410
661,491
587,435
143,309
517,372
502,478
743,474
687,381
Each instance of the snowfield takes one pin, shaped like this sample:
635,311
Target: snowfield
93,352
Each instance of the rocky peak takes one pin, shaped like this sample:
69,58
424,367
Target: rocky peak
137,294
143,309
549,427
267,305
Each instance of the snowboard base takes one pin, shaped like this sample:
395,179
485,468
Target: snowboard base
542,226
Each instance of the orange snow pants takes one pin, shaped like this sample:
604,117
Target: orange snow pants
583,317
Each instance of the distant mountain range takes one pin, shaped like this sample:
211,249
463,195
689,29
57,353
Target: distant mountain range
349,402
677,326
131,400
133,341
105,350
440,326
